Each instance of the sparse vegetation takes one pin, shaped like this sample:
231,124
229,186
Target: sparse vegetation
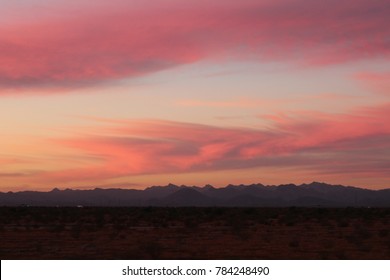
194,233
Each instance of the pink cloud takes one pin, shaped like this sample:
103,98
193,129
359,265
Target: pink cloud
353,143
378,82
69,45
233,103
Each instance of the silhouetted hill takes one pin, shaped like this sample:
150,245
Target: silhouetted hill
256,195
187,197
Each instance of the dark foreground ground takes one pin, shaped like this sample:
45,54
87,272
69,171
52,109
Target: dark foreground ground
194,233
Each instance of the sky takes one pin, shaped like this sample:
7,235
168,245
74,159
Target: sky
132,93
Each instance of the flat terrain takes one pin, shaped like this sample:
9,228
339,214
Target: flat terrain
194,233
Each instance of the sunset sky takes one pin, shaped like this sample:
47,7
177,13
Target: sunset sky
133,93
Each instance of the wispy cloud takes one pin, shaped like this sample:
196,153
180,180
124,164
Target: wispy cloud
234,103
377,82
102,41
340,143
13,175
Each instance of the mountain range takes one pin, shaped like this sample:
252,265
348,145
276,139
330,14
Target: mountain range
255,195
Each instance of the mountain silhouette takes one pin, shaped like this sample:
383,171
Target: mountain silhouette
314,194
187,197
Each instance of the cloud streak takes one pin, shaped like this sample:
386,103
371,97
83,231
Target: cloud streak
69,46
356,143
378,82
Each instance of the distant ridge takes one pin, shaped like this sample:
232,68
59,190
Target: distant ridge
314,194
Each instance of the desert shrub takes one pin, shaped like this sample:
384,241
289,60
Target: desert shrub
363,233
294,243
118,226
328,243
100,221
353,239
343,223
341,255
363,246
383,233
324,255
236,223
57,228
288,220
76,230
191,223
153,249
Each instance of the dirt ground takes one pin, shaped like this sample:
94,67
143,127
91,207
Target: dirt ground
194,233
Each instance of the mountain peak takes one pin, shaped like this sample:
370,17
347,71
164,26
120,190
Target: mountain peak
315,183
306,195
